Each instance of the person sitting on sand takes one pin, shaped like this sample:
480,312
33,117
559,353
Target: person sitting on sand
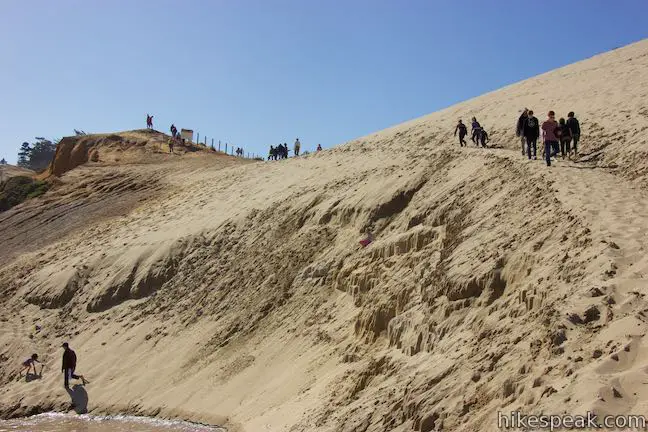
31,363
69,365
463,131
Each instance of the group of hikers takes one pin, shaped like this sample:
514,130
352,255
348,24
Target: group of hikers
558,137
479,135
281,151
68,366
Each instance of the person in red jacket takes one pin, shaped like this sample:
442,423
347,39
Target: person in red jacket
549,134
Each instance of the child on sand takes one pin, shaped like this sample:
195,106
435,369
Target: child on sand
31,363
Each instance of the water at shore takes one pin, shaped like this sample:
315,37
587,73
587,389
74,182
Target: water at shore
54,422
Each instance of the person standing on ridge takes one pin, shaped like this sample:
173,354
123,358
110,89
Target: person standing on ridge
476,130
531,133
69,365
319,147
463,131
519,130
574,130
297,147
565,138
549,137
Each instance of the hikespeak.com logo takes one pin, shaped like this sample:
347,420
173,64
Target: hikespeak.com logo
516,420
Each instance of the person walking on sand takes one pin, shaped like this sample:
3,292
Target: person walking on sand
574,130
69,365
30,363
297,147
483,137
565,138
463,131
519,130
531,134
171,144
476,130
549,137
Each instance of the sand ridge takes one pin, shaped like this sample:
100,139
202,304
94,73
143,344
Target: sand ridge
238,294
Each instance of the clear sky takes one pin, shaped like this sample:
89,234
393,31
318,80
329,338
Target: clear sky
256,73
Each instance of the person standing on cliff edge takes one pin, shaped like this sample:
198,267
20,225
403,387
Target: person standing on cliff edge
69,365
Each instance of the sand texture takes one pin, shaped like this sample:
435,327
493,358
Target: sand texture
203,287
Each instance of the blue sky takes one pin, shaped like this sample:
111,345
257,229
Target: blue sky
256,73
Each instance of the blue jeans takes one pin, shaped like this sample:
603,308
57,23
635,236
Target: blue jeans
550,150
532,142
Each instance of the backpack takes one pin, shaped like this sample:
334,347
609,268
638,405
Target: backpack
531,122
558,132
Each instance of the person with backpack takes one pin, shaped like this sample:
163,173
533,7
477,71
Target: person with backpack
574,130
531,133
483,137
549,137
476,130
519,130
463,131
564,135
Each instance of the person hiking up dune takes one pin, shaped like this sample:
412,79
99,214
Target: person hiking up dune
31,363
565,138
519,130
549,137
69,365
463,131
574,130
531,133
476,131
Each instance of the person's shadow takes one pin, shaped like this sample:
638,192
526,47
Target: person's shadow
29,377
79,398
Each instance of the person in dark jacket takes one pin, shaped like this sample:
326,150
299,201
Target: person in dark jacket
519,130
565,138
476,131
574,130
463,131
69,365
531,134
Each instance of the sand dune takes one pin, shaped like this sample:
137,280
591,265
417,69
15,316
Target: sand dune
237,294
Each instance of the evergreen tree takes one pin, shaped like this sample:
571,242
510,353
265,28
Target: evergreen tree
24,155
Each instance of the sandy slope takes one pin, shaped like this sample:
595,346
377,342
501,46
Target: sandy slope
238,295
7,171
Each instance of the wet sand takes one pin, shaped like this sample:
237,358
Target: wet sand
54,422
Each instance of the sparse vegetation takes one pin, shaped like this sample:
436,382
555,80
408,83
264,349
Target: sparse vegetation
18,189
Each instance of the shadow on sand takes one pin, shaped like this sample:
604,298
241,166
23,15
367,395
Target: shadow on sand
79,398
32,377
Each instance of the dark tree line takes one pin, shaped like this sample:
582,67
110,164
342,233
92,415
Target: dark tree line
38,155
